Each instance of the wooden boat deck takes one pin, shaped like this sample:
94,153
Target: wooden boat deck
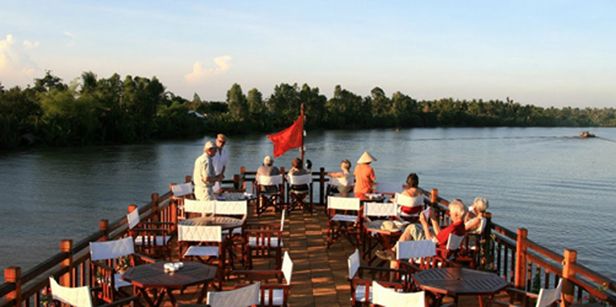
319,274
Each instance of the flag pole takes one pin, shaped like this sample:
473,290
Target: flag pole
301,149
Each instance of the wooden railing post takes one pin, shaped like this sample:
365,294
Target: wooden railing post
520,259
236,182
243,178
283,190
187,179
156,214
65,247
12,275
569,260
103,225
322,186
434,196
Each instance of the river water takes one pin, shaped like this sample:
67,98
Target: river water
561,188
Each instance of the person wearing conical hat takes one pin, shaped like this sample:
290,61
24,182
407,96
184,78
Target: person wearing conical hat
364,176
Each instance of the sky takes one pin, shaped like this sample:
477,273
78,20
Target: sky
546,53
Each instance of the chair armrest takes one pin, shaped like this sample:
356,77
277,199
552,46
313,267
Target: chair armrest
122,302
103,266
522,292
144,258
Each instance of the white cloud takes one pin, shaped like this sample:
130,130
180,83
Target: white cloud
15,64
200,72
71,38
30,45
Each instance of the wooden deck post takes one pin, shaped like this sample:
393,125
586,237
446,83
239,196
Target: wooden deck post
103,225
65,247
520,259
187,179
569,260
156,214
322,186
434,196
243,178
12,275
236,182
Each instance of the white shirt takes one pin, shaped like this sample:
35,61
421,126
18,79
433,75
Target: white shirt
220,160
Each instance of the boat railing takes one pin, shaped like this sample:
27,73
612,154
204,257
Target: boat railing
524,263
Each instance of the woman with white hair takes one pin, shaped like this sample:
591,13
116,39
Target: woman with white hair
479,209
268,169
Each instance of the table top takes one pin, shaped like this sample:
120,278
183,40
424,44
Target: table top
225,222
153,275
459,281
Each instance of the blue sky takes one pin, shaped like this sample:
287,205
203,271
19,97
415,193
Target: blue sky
548,53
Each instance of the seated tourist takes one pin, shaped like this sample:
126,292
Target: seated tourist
422,231
297,169
268,169
344,178
416,194
478,209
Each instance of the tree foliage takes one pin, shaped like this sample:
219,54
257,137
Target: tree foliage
135,109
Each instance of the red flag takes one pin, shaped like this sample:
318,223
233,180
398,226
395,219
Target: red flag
288,138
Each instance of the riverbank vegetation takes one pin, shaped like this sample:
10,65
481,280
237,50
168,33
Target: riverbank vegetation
92,110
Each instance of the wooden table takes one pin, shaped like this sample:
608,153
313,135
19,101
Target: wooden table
152,276
224,222
387,238
456,282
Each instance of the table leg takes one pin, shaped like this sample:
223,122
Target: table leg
202,293
480,299
147,297
171,297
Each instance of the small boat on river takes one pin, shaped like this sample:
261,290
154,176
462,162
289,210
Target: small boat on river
586,134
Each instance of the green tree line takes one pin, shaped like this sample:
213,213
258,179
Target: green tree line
93,110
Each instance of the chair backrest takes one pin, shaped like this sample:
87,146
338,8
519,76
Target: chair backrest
299,179
287,267
341,181
231,207
353,263
269,180
415,249
391,298
380,209
408,201
112,249
282,216
133,218
549,296
199,206
198,233
182,189
242,297
78,297
343,203
454,241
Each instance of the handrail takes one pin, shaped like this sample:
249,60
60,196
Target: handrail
506,244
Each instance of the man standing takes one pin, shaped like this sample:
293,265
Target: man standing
220,160
204,175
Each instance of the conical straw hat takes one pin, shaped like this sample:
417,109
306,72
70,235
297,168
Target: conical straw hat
366,157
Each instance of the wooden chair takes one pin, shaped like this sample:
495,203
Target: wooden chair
79,296
179,193
108,260
300,187
264,241
545,298
276,293
244,296
413,208
204,243
269,193
196,207
237,209
151,238
344,219
387,297
361,287
337,184
373,238
450,252
414,256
